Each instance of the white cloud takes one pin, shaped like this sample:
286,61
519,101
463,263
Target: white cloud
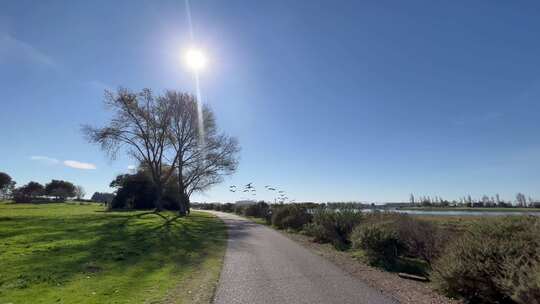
11,47
79,165
45,159
68,163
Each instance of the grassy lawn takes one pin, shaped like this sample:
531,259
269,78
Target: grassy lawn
68,253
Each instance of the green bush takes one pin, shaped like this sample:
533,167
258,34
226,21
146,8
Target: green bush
521,278
239,209
290,217
488,263
260,209
334,227
227,207
421,239
380,242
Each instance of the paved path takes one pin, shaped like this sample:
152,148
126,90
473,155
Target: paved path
263,266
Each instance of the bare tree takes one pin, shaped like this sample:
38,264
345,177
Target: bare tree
521,200
140,124
202,156
163,134
79,192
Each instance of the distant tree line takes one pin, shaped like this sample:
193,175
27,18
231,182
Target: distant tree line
55,190
485,201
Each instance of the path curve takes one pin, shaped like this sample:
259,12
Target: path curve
263,266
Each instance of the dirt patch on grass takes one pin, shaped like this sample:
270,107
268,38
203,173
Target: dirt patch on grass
405,291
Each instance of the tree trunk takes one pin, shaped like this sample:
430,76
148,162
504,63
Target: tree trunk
159,206
184,198
184,203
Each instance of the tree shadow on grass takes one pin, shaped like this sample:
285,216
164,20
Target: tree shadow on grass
54,250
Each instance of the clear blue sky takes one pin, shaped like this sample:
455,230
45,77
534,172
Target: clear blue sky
330,100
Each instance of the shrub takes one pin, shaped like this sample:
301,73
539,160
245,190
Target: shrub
421,239
19,197
333,226
137,191
489,261
521,278
380,242
227,207
260,209
204,206
238,209
290,216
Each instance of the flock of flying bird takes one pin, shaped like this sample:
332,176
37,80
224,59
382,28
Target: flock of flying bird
250,188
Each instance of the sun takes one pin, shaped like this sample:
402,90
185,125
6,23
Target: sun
195,59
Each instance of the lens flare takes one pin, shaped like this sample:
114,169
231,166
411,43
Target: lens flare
195,59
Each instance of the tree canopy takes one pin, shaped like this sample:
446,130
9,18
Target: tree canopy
28,192
5,180
165,134
60,189
202,156
136,191
6,185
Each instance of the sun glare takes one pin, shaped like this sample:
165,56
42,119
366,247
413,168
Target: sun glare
195,59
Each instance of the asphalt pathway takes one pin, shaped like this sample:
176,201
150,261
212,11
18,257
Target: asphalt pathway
263,266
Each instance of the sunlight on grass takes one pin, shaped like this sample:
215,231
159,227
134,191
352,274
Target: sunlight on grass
67,253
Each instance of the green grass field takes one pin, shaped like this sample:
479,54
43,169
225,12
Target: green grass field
69,253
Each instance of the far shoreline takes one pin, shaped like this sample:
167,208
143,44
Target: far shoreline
470,209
